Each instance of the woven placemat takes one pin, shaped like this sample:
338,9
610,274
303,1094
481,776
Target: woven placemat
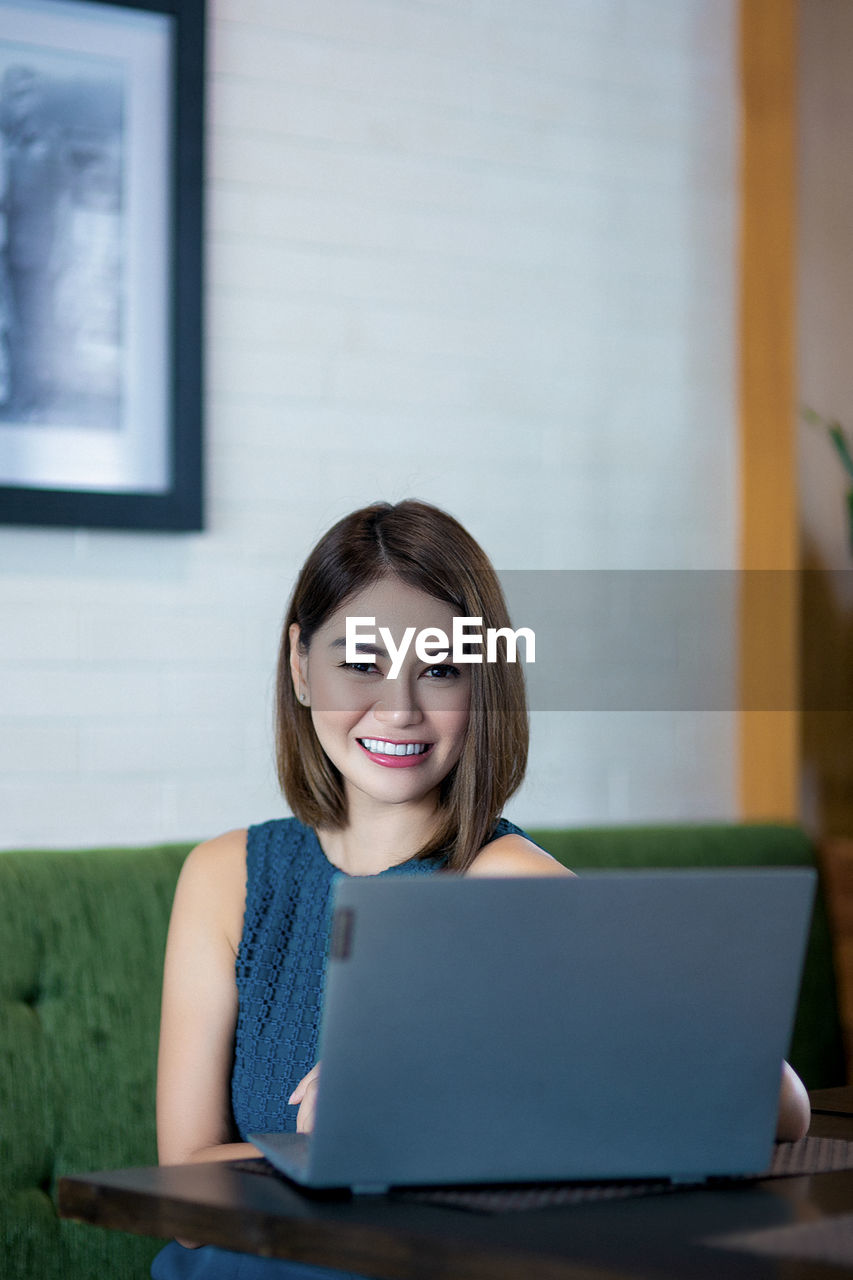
810,1155
790,1159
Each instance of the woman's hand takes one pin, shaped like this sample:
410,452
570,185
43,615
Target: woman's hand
305,1094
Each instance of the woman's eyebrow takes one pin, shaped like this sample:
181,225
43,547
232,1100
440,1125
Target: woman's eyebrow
373,650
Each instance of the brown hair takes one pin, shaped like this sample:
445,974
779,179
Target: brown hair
427,549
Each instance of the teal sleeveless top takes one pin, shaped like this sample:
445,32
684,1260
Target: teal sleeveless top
281,965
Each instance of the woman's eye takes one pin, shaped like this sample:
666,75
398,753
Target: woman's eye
443,671
363,668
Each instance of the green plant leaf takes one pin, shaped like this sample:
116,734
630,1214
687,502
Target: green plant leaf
840,441
835,431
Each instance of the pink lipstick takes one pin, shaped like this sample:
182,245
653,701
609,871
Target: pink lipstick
400,755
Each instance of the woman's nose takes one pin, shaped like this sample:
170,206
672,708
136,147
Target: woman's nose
398,704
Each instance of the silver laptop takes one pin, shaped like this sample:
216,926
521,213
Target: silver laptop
618,1025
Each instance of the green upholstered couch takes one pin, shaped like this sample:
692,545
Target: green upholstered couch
81,938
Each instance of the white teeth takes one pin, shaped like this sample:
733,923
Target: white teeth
380,746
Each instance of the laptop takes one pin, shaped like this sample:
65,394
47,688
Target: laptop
618,1025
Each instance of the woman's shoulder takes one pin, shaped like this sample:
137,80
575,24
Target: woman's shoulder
511,852
212,882
216,857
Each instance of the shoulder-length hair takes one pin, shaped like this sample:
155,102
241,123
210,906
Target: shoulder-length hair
428,549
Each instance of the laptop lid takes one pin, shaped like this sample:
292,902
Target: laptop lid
621,1024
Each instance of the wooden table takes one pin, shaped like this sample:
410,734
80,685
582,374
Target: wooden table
655,1237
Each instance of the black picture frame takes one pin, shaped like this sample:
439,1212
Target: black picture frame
140,432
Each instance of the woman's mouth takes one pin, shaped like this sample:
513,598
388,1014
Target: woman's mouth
395,755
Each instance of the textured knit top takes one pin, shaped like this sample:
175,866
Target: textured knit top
281,966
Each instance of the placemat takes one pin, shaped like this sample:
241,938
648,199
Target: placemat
790,1159
532,1195
810,1155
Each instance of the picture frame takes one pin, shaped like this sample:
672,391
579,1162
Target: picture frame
101,235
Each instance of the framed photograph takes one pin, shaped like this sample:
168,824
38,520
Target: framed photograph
101,154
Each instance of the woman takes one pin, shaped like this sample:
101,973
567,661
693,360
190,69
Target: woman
238,1040
385,775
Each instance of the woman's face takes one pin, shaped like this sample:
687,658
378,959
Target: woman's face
392,739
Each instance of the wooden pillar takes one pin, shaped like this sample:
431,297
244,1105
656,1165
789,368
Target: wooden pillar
768,648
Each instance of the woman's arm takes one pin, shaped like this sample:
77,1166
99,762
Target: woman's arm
199,1010
795,1111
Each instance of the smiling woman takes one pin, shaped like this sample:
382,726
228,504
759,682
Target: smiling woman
408,566
402,775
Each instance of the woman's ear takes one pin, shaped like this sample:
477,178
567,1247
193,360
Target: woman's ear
298,665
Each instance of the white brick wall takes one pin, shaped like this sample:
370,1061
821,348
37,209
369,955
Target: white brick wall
480,253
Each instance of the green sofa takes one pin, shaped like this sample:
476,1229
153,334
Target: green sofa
82,943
